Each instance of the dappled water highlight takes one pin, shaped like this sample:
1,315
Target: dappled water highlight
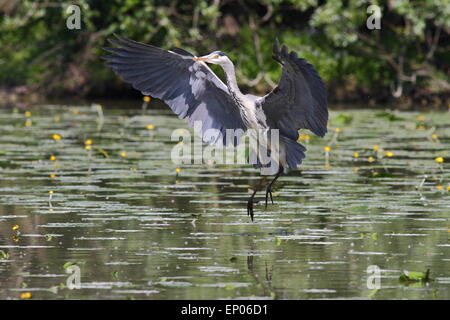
138,228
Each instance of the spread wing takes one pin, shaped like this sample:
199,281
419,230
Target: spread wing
190,88
300,99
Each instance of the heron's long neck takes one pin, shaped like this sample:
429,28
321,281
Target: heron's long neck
237,95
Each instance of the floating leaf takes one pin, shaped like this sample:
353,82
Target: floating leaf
373,293
389,116
104,153
71,263
415,276
53,289
343,118
230,286
278,241
68,264
4,255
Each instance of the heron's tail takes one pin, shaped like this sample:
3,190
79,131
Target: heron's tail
291,155
295,152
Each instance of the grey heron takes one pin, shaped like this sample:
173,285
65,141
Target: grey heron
192,90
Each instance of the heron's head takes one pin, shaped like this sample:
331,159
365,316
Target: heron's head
216,57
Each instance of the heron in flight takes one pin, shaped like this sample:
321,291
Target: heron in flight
192,90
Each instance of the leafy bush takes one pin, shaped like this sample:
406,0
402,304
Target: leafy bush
408,56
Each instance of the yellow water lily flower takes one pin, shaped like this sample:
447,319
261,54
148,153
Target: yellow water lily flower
25,295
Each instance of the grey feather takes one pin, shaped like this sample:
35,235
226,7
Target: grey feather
299,101
190,88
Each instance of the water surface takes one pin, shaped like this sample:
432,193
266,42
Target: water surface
137,229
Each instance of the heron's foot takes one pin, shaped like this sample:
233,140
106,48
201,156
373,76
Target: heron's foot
250,208
269,193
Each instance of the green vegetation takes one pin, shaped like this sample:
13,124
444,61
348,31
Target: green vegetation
410,276
407,57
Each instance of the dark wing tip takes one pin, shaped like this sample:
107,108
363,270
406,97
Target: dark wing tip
119,37
114,42
321,132
182,52
284,50
117,40
276,46
108,49
276,51
317,117
123,41
280,54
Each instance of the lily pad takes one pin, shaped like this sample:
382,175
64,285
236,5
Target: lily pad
408,276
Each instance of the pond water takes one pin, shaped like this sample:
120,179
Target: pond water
135,228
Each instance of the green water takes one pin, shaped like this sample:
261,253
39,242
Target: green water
137,229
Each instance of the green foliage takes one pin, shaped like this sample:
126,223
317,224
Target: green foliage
407,56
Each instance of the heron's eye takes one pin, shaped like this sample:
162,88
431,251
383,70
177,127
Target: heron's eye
216,56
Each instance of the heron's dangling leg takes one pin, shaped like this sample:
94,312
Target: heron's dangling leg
269,187
250,200
250,205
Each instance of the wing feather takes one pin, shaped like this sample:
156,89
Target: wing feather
300,99
190,88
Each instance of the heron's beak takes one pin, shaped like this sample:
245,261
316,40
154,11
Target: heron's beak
201,59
